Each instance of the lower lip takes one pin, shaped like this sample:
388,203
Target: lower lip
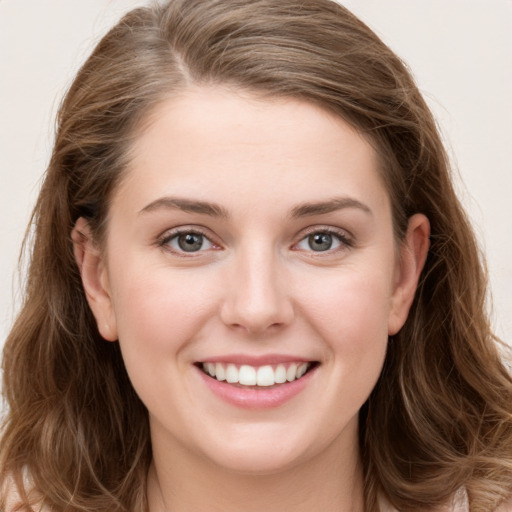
256,398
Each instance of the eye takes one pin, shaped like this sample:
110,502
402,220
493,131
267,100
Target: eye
187,241
323,240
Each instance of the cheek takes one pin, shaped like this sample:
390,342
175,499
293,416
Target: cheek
352,305
161,310
159,314
350,314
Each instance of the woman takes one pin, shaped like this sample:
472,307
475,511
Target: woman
252,284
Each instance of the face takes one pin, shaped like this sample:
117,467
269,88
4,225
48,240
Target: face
251,277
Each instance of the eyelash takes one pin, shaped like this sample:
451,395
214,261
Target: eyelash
165,240
343,238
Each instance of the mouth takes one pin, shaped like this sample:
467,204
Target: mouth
266,376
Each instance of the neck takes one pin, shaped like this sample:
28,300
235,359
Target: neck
331,481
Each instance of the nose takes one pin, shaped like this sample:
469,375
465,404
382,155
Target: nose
256,297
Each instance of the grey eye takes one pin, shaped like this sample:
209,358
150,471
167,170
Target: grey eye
190,242
320,241
187,241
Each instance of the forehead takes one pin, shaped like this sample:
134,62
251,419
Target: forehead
212,139
217,111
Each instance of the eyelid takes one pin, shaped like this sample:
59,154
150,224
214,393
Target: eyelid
346,239
164,239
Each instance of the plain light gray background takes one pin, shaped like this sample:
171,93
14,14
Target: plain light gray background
460,52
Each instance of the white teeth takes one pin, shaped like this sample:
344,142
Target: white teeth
280,375
247,375
301,370
291,373
232,374
256,376
265,376
220,374
211,369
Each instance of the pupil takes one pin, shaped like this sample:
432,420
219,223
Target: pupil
190,242
320,241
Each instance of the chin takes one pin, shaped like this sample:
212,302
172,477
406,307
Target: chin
263,450
255,462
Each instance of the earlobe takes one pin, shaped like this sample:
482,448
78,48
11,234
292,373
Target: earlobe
413,254
93,271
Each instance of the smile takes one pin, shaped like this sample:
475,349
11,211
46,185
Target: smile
264,376
267,382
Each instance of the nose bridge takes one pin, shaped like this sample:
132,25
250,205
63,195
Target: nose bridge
256,298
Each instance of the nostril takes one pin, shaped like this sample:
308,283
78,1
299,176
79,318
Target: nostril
256,303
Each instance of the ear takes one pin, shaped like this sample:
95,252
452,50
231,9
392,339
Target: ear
93,271
413,254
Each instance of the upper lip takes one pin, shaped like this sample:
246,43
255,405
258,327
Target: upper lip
252,360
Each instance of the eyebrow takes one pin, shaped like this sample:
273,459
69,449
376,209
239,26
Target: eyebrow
215,210
332,205
186,205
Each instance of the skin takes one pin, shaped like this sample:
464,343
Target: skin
255,288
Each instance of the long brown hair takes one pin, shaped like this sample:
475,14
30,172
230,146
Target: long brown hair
440,417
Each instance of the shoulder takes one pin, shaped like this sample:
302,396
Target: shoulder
9,494
506,506
458,503
11,499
